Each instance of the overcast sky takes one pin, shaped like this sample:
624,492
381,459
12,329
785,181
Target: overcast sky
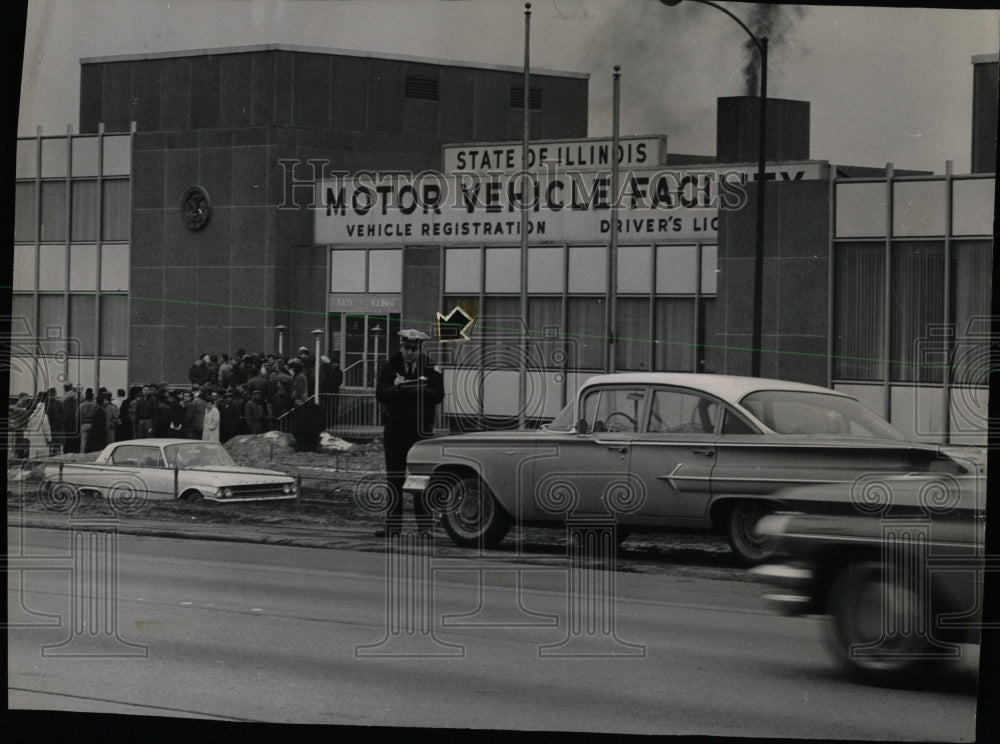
885,84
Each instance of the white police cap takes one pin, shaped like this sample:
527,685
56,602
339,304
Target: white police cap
413,336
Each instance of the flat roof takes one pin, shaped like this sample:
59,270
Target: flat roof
329,51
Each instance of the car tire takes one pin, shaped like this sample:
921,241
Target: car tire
741,523
190,495
874,629
474,518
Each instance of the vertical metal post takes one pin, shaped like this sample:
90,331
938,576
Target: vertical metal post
522,385
758,256
611,310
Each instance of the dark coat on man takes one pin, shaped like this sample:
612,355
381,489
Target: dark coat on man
407,417
71,421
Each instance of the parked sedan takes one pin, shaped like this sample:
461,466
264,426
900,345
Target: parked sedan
658,450
129,472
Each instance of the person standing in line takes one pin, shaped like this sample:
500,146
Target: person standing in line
254,413
409,388
38,430
300,383
196,414
71,418
88,409
145,412
330,379
97,434
56,413
176,415
111,418
210,422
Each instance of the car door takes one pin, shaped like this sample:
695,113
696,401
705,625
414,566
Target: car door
146,467
673,456
591,464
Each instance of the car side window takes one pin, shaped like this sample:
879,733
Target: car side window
617,409
681,412
733,424
136,456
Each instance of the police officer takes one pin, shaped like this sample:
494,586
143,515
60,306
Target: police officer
409,388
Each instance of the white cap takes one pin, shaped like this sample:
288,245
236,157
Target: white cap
413,336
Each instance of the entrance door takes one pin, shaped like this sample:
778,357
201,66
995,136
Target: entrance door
365,342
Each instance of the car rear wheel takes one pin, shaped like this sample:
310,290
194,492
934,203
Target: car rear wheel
474,518
875,631
741,531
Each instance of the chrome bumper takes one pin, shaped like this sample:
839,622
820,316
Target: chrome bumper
416,483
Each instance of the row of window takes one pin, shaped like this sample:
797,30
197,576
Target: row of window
641,269
74,317
79,156
78,268
665,334
98,210
919,208
910,314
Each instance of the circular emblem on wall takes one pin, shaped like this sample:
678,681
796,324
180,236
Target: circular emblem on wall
196,208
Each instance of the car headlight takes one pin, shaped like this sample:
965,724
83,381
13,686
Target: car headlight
227,492
288,488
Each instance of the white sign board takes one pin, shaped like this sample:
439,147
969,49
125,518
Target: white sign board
653,204
586,154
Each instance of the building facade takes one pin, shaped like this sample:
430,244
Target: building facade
246,198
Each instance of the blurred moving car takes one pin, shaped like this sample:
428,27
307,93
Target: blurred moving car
131,471
656,450
902,590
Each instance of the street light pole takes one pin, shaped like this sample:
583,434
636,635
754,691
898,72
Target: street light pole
758,257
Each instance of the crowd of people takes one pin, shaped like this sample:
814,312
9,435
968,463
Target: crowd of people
227,396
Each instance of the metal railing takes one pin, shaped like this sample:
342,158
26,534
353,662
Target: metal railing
353,414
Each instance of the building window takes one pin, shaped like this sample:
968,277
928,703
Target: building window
114,325
53,212
632,336
972,267
82,322
517,98
585,327
22,317
25,225
51,316
85,214
420,88
917,305
117,211
674,335
858,311
547,342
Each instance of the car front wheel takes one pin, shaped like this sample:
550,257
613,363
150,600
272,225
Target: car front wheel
876,631
473,517
741,531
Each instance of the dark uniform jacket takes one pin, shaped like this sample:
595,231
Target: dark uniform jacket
408,409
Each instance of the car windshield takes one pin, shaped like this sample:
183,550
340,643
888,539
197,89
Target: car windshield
197,454
799,412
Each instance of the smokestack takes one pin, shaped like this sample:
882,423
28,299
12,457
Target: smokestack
737,119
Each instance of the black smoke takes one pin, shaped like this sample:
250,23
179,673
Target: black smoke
776,23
